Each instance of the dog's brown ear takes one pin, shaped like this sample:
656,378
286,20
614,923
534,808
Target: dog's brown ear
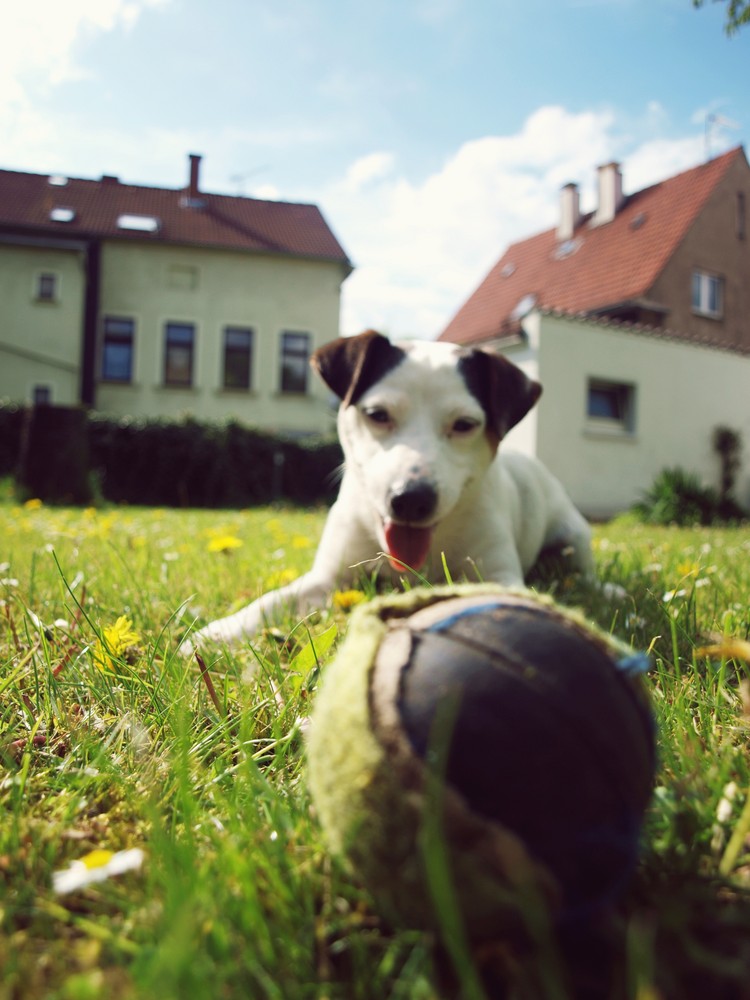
505,392
350,365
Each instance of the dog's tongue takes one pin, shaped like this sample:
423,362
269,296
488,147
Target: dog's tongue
407,546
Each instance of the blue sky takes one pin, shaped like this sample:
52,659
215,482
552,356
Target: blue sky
431,132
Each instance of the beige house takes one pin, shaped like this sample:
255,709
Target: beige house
621,403
151,302
636,319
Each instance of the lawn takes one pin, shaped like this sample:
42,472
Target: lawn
110,742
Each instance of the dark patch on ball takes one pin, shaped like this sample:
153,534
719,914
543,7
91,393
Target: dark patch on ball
549,738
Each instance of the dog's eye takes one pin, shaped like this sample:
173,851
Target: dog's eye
464,425
377,415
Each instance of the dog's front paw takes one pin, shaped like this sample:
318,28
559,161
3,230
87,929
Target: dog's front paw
222,632
210,635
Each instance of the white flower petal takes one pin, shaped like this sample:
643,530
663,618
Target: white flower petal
80,874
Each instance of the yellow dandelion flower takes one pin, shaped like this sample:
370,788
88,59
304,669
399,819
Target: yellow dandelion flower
687,568
301,542
116,640
345,600
34,504
224,543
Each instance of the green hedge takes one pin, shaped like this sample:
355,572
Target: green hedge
177,464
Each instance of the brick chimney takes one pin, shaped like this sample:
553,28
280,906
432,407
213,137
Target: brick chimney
570,212
192,197
610,194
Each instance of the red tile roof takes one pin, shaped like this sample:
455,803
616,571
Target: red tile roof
225,222
608,264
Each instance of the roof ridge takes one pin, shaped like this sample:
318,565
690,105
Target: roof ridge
112,180
587,216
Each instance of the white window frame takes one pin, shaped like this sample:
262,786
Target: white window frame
40,282
247,353
125,337
610,406
295,348
703,302
178,352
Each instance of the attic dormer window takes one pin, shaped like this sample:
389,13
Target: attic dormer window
139,223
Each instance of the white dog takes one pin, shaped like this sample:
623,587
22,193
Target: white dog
423,484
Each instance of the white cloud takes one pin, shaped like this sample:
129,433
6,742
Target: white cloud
38,51
366,169
658,159
39,38
421,248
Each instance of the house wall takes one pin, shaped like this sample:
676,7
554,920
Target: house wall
523,436
213,289
713,245
681,393
40,342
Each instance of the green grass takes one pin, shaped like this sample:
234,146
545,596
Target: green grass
237,896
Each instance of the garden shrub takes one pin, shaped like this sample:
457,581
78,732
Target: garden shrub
679,497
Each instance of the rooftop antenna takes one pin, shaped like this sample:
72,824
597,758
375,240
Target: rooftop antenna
239,179
714,123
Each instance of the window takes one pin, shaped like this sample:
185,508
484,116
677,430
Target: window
46,287
179,348
117,349
238,357
707,295
610,406
295,357
41,395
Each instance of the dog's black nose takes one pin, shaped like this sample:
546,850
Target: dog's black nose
413,502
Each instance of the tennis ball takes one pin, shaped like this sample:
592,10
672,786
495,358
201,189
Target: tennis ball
514,725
